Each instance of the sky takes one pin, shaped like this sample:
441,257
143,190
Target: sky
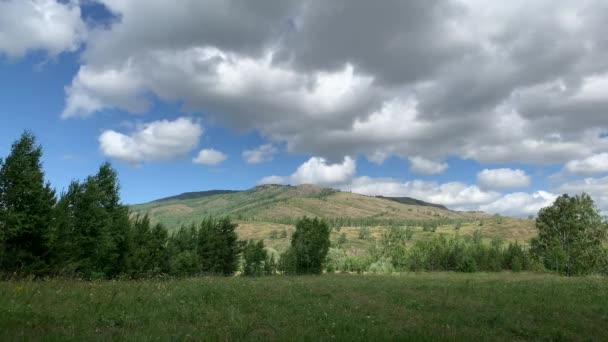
478,105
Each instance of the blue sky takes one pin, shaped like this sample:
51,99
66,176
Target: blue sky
459,109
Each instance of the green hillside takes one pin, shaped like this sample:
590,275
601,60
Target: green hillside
283,203
268,212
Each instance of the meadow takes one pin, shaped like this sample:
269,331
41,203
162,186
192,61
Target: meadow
424,306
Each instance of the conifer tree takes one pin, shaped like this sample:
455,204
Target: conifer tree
26,209
182,249
147,249
117,221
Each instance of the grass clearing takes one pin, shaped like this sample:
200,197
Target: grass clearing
501,306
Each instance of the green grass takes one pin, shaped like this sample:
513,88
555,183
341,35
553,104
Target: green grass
330,307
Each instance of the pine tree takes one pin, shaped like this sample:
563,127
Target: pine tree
218,248
26,210
117,224
182,250
147,249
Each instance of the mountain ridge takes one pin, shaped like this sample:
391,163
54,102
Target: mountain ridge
277,203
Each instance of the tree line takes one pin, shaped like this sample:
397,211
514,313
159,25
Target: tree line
87,232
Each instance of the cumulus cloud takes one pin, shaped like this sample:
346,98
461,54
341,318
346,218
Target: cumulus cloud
520,203
154,141
261,154
426,167
317,171
209,157
49,25
481,90
502,178
597,188
455,195
597,163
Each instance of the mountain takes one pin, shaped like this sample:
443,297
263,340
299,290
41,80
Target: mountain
413,201
282,203
264,211
195,195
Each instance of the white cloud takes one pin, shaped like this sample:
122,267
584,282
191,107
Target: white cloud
597,188
261,154
49,25
426,167
279,66
455,195
502,178
597,163
209,157
155,141
273,180
317,171
520,203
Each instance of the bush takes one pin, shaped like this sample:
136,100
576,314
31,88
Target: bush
468,265
363,233
336,260
382,266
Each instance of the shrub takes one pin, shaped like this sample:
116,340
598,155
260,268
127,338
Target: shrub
382,266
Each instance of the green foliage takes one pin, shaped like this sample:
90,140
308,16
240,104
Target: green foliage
284,234
218,248
270,265
363,233
26,210
310,243
382,266
274,234
342,239
182,246
288,262
255,258
571,236
90,237
429,227
148,253
336,260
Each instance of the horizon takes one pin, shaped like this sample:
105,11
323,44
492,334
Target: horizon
472,105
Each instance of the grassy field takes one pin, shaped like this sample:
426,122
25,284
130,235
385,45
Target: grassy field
330,307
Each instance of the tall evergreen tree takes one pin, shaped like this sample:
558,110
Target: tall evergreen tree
182,248
91,233
26,209
147,249
117,224
218,247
